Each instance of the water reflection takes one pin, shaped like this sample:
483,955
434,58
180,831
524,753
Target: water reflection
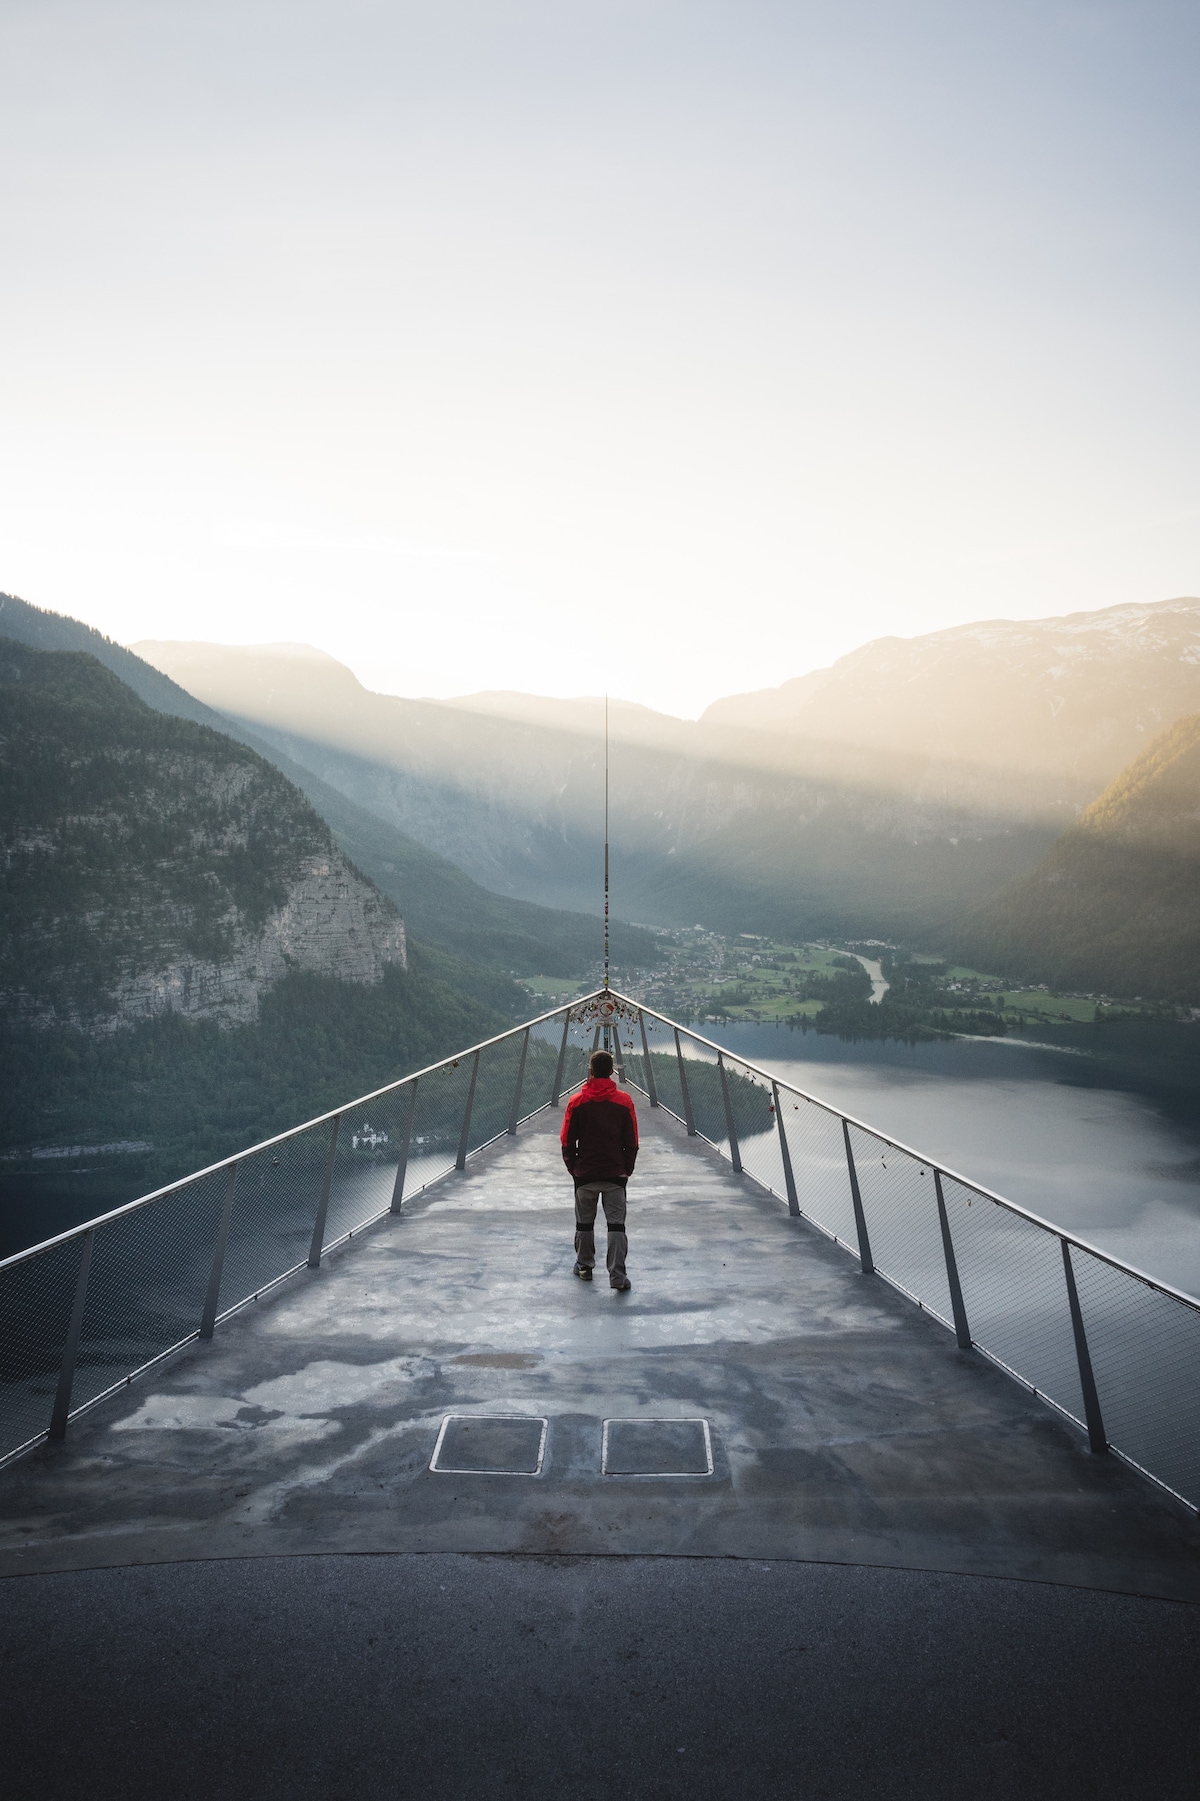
1017,1118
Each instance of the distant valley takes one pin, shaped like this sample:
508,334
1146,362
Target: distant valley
892,796
315,886
726,827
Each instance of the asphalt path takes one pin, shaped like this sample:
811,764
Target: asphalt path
357,1677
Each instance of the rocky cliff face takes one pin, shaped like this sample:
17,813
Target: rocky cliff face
332,922
151,865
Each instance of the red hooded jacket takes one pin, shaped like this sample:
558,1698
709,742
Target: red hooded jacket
599,1133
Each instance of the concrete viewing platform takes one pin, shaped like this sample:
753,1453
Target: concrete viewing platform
807,1413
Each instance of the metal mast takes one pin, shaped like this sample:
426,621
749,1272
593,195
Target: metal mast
606,1044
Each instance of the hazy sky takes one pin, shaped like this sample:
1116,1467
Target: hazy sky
676,346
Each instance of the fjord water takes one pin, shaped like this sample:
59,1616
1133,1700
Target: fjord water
1025,1120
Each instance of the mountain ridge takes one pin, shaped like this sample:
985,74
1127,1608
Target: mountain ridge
153,865
188,963
471,924
1113,907
1075,696
705,821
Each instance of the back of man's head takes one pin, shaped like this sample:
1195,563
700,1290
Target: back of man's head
600,1064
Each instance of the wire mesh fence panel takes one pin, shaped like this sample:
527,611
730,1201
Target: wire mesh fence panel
762,1159
749,1103
633,1061
437,1123
704,1090
145,1292
900,1208
753,1106
570,1064
1014,1293
274,1208
1145,1352
661,1042
364,1169
495,1087
537,1090
819,1164
582,1037
662,1070
666,1076
36,1299
627,1048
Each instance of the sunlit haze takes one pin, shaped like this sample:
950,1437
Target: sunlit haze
670,347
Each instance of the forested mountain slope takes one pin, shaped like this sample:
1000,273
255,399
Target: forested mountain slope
1115,906
441,903
152,865
43,630
188,962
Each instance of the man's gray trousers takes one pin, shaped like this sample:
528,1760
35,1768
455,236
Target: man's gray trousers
587,1197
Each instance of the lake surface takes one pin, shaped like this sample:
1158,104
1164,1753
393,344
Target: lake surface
1023,1119
1030,1121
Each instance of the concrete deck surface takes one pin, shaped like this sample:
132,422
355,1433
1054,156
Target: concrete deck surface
845,1425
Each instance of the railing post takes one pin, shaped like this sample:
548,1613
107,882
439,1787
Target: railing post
515,1110
318,1237
208,1317
402,1165
595,1041
66,1374
860,1218
1087,1381
651,1087
962,1330
562,1056
793,1200
735,1154
684,1089
460,1162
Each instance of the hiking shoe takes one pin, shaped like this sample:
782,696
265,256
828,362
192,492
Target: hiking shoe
620,1283
583,1272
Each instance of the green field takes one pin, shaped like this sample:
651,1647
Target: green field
554,988
706,977
1033,1003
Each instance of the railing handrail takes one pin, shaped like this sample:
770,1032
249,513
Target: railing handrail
265,1144
932,1163
610,1008
583,1000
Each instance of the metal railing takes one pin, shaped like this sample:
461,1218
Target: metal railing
1114,1350
1111,1348
87,1313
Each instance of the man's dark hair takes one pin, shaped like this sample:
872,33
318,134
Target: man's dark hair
600,1064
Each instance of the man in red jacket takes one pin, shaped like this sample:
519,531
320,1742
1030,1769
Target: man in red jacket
600,1147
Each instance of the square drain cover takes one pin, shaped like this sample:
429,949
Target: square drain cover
481,1444
672,1447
